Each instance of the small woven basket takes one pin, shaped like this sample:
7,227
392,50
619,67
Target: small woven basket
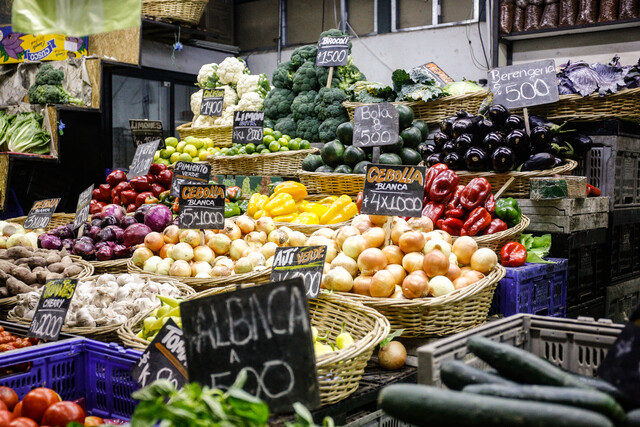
436,317
116,266
221,135
189,11
56,220
281,163
332,183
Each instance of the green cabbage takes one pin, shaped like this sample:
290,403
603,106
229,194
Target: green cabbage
459,88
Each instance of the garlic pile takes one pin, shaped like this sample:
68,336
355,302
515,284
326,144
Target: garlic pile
107,300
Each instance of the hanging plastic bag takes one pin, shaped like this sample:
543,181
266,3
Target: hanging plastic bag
568,13
74,17
506,16
550,15
628,9
608,10
532,16
518,20
588,12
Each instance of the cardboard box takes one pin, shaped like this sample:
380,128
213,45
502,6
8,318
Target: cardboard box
19,47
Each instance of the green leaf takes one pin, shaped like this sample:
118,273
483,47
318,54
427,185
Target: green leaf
303,413
526,240
391,336
534,258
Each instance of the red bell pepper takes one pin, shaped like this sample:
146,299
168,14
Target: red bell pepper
116,177
475,193
116,200
96,206
497,225
490,204
513,254
140,183
454,203
443,185
131,208
478,220
454,213
105,192
123,186
151,178
431,175
142,197
164,178
156,168
593,191
434,211
156,189
97,196
128,197
453,226
359,201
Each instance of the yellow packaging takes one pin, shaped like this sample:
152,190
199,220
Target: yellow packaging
19,47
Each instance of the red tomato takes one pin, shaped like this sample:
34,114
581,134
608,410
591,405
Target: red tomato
37,401
9,397
17,410
5,418
62,413
22,422
92,421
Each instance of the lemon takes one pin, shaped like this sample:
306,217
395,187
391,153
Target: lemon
171,141
156,156
167,152
208,142
184,157
267,131
174,157
190,139
190,150
162,162
180,146
198,143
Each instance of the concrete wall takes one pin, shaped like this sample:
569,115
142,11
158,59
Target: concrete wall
189,61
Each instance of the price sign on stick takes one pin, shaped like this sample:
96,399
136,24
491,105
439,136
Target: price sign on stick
247,127
201,206
142,159
332,51
306,262
144,131
524,85
82,208
164,359
393,190
52,309
40,213
212,100
189,173
263,329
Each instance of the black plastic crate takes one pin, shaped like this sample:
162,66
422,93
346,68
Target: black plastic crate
595,309
622,300
624,241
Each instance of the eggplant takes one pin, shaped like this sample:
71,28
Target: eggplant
448,147
463,142
454,160
535,121
485,126
558,161
540,136
581,144
540,161
498,114
461,126
426,150
492,141
447,124
476,159
439,139
514,122
463,115
503,160
518,141
434,159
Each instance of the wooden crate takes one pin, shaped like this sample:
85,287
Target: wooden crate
566,215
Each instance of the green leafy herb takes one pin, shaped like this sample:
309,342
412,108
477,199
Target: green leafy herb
391,336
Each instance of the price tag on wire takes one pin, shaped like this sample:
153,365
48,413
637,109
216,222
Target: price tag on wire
393,190
52,309
201,206
40,214
212,100
144,131
303,261
142,159
332,51
375,125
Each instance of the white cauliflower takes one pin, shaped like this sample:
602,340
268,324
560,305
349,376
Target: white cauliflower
230,97
196,103
203,121
206,71
231,69
227,117
250,101
253,83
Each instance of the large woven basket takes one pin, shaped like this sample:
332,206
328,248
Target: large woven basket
56,220
221,135
281,163
496,241
436,317
106,333
116,266
332,183
189,11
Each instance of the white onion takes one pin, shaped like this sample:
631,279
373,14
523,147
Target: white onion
345,262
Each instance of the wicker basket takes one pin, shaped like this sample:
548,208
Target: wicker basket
189,11
116,266
56,220
282,163
221,135
435,317
332,183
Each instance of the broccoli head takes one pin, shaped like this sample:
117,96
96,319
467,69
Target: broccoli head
268,123
329,104
304,54
47,75
304,104
308,129
327,130
286,125
328,96
322,74
305,78
51,94
283,75
348,75
277,104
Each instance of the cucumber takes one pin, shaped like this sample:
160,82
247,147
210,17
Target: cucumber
521,366
633,419
608,388
588,399
432,406
456,375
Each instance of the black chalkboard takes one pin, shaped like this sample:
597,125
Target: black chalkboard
375,125
302,261
524,85
52,309
247,127
212,100
393,190
165,358
144,131
189,173
142,159
201,206
40,213
332,51
82,208
265,329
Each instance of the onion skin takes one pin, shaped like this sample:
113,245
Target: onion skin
484,260
462,282
362,223
345,262
362,285
338,279
392,356
398,272
375,237
398,231
371,261
435,263
463,248
382,284
411,241
415,285
413,261
344,233
454,272
171,234
378,220
393,253
353,246
423,224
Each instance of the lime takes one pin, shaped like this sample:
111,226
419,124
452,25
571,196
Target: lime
277,134
190,150
190,139
198,143
265,151
211,150
294,145
284,142
268,139
250,148
163,162
299,139
167,152
224,150
232,152
203,154
174,157
156,156
287,137
305,145
171,141
260,148
267,131
284,148
180,146
274,146
184,157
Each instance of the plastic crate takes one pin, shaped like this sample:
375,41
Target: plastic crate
576,345
594,309
624,239
533,289
622,299
377,419
77,368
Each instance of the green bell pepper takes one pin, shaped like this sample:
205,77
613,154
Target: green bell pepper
233,193
231,209
244,205
509,211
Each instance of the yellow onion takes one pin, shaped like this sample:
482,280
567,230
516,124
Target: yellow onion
243,265
332,251
398,272
181,251
437,244
413,261
200,267
411,241
297,238
423,224
338,279
483,260
239,248
383,284
220,271
374,236
325,232
265,224
223,261
257,259
454,272
435,263
220,243
415,285
398,231
279,237
345,262
463,248
440,286
141,255
180,268
371,260
362,285
378,220
344,233
256,237
246,224
362,223
203,253
393,253
354,246
208,235
268,250
191,237
171,234
231,230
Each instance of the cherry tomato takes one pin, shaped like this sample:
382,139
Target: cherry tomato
37,401
17,410
92,421
62,413
5,418
9,397
22,422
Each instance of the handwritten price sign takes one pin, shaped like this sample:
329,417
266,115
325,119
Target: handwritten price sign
52,309
375,125
524,85
306,262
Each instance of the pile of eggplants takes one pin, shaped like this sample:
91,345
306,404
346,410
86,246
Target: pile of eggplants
498,142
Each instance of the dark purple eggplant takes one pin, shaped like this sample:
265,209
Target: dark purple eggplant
581,144
485,126
439,139
518,141
503,160
540,136
476,159
537,162
492,141
426,150
498,114
463,142
463,115
513,122
461,126
558,161
535,121
447,124
449,147
454,160
434,159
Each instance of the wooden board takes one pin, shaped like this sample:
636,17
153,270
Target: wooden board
94,69
4,179
567,224
121,45
558,187
564,207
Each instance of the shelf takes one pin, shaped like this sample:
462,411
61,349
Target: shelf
587,28
165,32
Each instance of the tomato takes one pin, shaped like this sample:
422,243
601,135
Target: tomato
62,413
22,422
17,410
91,421
9,397
5,418
37,401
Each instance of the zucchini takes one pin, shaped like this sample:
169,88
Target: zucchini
608,388
633,419
588,399
456,375
432,406
521,366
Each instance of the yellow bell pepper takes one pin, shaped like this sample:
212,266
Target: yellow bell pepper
307,218
298,191
315,208
286,218
341,210
259,214
256,202
328,201
280,204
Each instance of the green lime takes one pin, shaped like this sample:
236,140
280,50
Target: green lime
294,145
305,145
242,150
250,148
274,146
299,139
277,134
224,150
232,152
284,142
267,131
260,147
287,137
265,151
171,141
167,152
284,148
268,139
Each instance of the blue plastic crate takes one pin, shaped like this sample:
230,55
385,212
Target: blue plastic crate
77,368
533,289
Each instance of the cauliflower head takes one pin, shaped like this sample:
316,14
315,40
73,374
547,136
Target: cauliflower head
200,121
230,97
250,101
196,103
227,117
206,71
231,69
258,83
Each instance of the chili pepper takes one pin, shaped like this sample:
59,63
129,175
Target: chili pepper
142,197
478,220
175,208
490,204
233,193
443,185
156,168
164,196
454,213
157,189
164,178
298,191
593,191
131,208
513,254
434,211
454,203
231,209
452,226
140,183
475,193
116,177
509,211
243,206
431,175
496,226
128,197
359,201
105,192
95,206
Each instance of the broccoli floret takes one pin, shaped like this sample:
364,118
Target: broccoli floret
277,104
51,94
286,125
327,130
304,104
268,123
348,75
308,129
305,78
329,104
47,75
322,74
330,95
283,75
304,54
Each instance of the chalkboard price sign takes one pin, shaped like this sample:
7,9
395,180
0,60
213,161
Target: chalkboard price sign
201,206
142,159
247,127
263,329
524,85
52,309
165,358
393,190
40,213
302,261
189,173
144,131
82,208
212,100
332,51
375,125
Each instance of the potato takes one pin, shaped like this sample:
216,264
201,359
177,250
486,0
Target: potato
4,292
53,258
66,261
53,276
6,266
18,252
41,276
58,267
3,254
22,261
3,277
15,287
24,275
72,270
37,261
